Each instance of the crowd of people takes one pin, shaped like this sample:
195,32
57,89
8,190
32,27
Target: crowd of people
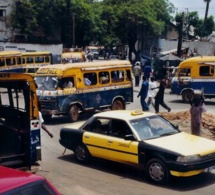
150,89
152,93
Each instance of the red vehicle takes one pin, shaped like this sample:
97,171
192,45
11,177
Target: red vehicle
18,182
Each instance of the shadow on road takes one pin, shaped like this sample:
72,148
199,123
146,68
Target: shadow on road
181,184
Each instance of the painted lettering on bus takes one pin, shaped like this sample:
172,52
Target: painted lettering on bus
47,71
5,75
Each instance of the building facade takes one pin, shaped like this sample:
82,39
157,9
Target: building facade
5,10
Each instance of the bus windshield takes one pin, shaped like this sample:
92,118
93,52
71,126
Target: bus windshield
46,83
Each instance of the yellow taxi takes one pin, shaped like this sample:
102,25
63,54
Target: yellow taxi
143,139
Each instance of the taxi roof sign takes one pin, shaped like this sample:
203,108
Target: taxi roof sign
136,112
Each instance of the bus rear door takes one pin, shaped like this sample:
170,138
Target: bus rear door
20,145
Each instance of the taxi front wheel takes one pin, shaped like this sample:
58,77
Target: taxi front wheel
157,171
81,153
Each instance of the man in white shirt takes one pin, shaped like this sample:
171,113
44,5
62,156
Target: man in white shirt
87,81
152,92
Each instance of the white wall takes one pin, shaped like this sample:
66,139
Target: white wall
202,48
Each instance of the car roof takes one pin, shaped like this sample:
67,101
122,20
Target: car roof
12,178
124,114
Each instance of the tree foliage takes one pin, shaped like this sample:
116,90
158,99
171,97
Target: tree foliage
191,19
107,22
24,17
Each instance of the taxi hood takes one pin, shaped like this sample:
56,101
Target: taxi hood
184,144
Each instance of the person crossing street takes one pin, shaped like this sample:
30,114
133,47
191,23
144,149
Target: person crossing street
143,94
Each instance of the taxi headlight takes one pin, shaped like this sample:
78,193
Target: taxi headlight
190,158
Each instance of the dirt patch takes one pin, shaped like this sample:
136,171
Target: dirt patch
182,119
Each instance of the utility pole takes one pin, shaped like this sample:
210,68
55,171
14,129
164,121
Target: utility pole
73,29
180,32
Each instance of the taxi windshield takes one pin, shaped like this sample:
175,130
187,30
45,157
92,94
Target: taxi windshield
153,127
46,83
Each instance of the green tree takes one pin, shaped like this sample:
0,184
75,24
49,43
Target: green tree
192,19
209,27
132,20
24,17
107,22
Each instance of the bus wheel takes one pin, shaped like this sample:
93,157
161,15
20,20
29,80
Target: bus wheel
187,96
73,113
157,171
118,105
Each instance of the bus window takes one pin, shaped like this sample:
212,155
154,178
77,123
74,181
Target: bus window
47,59
10,61
184,72
90,79
128,75
104,77
205,71
29,60
18,61
117,76
67,82
31,70
39,59
23,61
212,70
47,83
2,62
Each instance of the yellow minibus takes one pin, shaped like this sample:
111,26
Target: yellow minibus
196,73
68,89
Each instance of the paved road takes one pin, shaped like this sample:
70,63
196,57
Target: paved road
174,102
103,177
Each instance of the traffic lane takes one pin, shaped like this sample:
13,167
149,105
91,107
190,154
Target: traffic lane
105,177
173,101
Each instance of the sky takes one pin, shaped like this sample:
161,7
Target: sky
194,5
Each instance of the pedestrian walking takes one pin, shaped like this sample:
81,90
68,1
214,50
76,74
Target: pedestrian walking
43,126
137,73
196,110
159,98
147,71
152,92
143,94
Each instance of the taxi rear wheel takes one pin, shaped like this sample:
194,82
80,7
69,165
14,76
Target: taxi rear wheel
81,153
157,171
73,113
118,105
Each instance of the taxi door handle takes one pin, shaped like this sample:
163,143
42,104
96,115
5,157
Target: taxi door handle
110,142
87,136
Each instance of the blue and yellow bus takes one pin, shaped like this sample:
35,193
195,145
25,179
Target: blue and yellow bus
25,62
195,74
68,89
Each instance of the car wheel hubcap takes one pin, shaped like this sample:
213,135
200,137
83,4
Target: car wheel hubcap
80,153
156,171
